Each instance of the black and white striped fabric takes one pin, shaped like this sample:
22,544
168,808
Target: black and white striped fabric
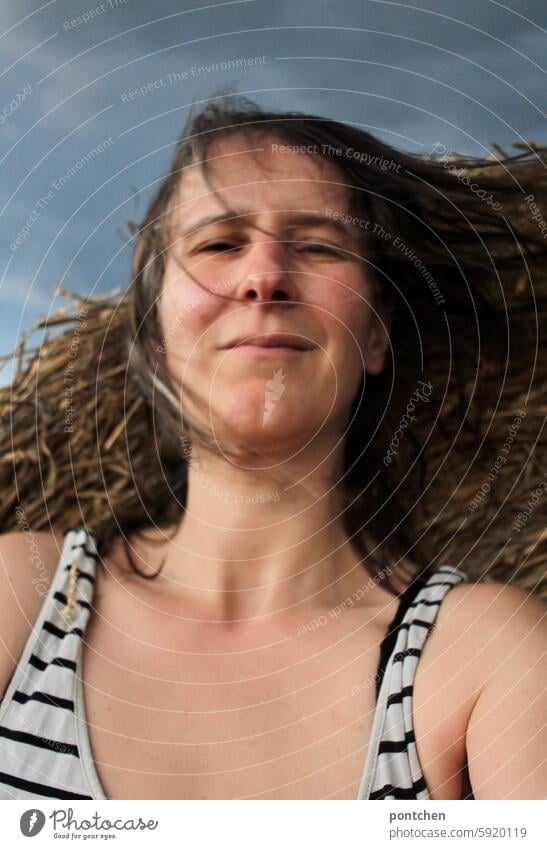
392,769
44,743
44,746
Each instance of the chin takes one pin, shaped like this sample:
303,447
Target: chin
255,420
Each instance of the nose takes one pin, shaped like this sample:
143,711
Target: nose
267,277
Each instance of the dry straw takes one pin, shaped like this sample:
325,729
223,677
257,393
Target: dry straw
74,424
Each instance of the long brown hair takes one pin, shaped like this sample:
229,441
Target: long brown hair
450,244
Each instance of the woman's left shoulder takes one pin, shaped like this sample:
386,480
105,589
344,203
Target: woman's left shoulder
496,636
494,613
494,601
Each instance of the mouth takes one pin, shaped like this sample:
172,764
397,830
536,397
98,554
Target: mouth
274,342
268,351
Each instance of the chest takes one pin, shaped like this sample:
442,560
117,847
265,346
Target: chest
175,712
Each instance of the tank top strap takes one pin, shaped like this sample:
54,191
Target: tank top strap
65,610
73,595
388,643
392,769
39,726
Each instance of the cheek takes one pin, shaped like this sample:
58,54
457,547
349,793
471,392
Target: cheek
186,312
348,295
349,320
349,316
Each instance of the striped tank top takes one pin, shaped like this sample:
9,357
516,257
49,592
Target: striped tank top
44,744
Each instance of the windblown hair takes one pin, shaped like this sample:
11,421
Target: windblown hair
443,458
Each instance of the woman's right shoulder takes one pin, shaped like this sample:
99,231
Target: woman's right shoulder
28,561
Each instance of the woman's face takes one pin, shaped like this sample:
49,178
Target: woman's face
296,275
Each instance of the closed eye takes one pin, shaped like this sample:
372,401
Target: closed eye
224,247
320,249
218,246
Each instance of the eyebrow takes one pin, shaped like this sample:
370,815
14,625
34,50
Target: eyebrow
298,218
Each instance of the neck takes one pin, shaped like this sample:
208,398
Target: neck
252,545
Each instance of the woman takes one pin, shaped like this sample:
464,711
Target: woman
277,631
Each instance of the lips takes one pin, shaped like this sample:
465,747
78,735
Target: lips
274,340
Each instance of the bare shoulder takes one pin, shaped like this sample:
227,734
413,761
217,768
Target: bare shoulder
481,625
492,624
27,564
502,631
493,608
483,662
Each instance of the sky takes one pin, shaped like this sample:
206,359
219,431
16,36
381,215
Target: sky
93,97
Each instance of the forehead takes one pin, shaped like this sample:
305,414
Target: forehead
261,172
